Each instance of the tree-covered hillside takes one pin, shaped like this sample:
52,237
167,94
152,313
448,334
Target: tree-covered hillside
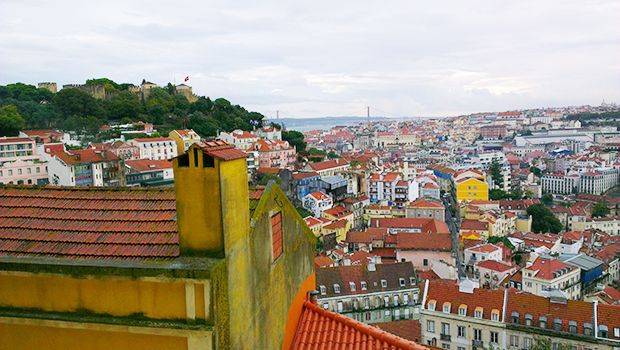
72,109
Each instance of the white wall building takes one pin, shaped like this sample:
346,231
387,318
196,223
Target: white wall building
157,148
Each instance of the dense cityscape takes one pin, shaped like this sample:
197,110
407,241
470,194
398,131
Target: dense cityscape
493,230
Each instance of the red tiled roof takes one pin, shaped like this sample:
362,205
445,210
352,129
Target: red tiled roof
342,223
484,248
323,329
443,291
608,316
222,150
141,165
338,211
153,139
425,203
547,267
424,224
407,329
303,175
88,223
328,164
5,139
371,234
268,170
494,265
424,241
318,195
322,261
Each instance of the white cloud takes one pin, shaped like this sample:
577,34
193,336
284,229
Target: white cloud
328,58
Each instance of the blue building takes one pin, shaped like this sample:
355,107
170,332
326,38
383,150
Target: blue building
304,183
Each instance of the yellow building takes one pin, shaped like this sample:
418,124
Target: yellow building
184,138
206,266
471,189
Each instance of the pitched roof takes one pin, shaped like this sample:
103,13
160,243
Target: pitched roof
468,224
338,211
484,248
424,224
407,329
220,149
318,195
546,268
425,203
494,265
343,275
303,175
447,291
88,223
141,165
424,241
153,139
328,164
323,329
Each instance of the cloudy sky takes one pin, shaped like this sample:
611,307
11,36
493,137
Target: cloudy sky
319,58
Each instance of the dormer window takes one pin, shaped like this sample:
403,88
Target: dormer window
478,312
603,331
514,317
383,283
463,310
401,281
363,285
528,319
494,315
323,290
336,288
587,329
572,326
412,281
352,286
446,307
542,322
431,305
557,324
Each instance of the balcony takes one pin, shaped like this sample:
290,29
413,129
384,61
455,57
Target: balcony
477,344
445,337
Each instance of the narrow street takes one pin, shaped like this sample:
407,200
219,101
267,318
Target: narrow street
454,223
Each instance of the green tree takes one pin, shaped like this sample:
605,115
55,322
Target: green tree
600,210
74,102
495,169
124,104
11,122
536,171
332,155
543,220
296,139
547,199
497,194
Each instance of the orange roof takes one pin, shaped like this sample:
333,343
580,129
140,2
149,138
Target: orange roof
442,291
222,150
328,164
408,329
494,265
342,223
141,165
424,224
425,203
424,241
153,139
319,196
484,248
337,211
323,329
547,267
322,261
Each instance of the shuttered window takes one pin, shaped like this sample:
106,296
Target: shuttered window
276,235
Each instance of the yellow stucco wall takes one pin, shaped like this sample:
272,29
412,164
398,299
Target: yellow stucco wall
472,189
16,336
107,295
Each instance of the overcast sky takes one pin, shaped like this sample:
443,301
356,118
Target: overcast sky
320,58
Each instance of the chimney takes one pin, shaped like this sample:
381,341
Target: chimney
211,188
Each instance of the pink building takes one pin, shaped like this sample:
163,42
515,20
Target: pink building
275,154
19,162
424,250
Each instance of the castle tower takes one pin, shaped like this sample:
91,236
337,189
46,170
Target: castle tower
51,86
211,187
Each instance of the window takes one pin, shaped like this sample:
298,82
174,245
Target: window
276,235
323,290
183,160
446,307
572,326
478,312
542,322
401,281
207,161
386,300
515,317
494,315
383,283
395,299
325,306
195,157
463,310
412,281
528,319
494,337
445,346
478,334
430,326
557,324
514,340
363,285
461,331
340,306
406,299
431,305
425,262
336,288
587,329
603,331
527,343
352,286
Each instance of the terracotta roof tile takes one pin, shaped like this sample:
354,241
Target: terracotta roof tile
322,329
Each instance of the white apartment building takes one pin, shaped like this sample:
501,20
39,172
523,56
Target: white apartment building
560,183
545,275
598,181
317,202
390,187
240,138
157,148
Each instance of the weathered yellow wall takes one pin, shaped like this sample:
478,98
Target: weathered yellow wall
31,337
111,295
178,140
198,205
472,189
260,291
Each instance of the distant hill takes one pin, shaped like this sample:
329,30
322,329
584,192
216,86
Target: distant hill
305,124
